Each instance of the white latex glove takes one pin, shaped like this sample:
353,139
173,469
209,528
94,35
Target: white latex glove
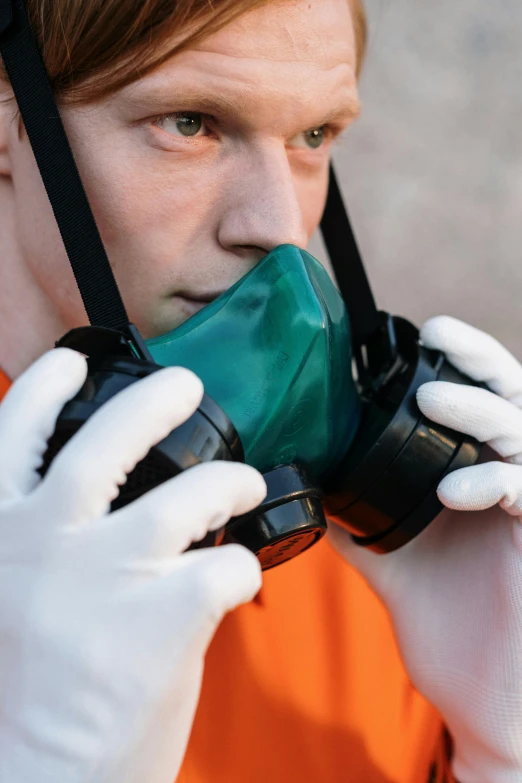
455,592
103,621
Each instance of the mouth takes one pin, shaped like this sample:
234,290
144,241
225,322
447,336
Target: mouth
193,303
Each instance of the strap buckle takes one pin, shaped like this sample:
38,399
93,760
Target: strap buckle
98,341
378,359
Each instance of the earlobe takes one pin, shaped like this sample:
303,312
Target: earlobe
6,130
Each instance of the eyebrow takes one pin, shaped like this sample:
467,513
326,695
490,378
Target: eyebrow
157,97
349,110
162,98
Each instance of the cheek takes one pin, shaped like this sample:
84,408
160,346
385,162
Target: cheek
40,242
311,194
147,207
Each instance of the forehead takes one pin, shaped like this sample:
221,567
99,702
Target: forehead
315,31
286,59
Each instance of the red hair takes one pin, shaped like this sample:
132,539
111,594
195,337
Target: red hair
93,47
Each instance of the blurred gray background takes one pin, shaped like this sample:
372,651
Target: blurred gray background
432,172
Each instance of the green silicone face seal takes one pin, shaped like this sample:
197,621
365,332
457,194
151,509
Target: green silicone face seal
274,352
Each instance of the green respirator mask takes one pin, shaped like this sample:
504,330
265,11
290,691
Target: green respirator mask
272,352
325,411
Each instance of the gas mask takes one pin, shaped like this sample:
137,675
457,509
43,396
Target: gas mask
309,383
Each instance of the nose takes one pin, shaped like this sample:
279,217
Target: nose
261,206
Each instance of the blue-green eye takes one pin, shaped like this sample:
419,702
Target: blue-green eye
315,137
189,124
311,139
186,124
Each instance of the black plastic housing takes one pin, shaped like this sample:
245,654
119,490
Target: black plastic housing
290,520
384,492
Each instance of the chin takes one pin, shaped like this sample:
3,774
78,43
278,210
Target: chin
170,318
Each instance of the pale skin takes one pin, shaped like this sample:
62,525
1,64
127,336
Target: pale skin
183,216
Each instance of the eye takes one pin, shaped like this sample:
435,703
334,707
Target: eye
188,124
313,138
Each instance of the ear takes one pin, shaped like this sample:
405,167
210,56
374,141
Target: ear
7,127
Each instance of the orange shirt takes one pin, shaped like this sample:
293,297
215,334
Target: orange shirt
308,687
4,384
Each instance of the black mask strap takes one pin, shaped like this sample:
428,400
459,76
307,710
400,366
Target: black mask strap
57,166
373,331
348,266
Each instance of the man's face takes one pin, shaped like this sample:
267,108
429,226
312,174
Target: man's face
198,170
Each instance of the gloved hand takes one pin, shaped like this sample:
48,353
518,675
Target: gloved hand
455,592
103,621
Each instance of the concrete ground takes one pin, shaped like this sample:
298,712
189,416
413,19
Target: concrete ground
432,171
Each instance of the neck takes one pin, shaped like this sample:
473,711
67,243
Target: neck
28,324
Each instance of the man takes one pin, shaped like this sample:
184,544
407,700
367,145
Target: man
198,160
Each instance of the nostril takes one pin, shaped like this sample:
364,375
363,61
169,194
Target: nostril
252,254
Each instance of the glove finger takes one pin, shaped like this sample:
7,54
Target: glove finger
87,474
214,581
28,416
476,412
483,486
476,354
166,520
